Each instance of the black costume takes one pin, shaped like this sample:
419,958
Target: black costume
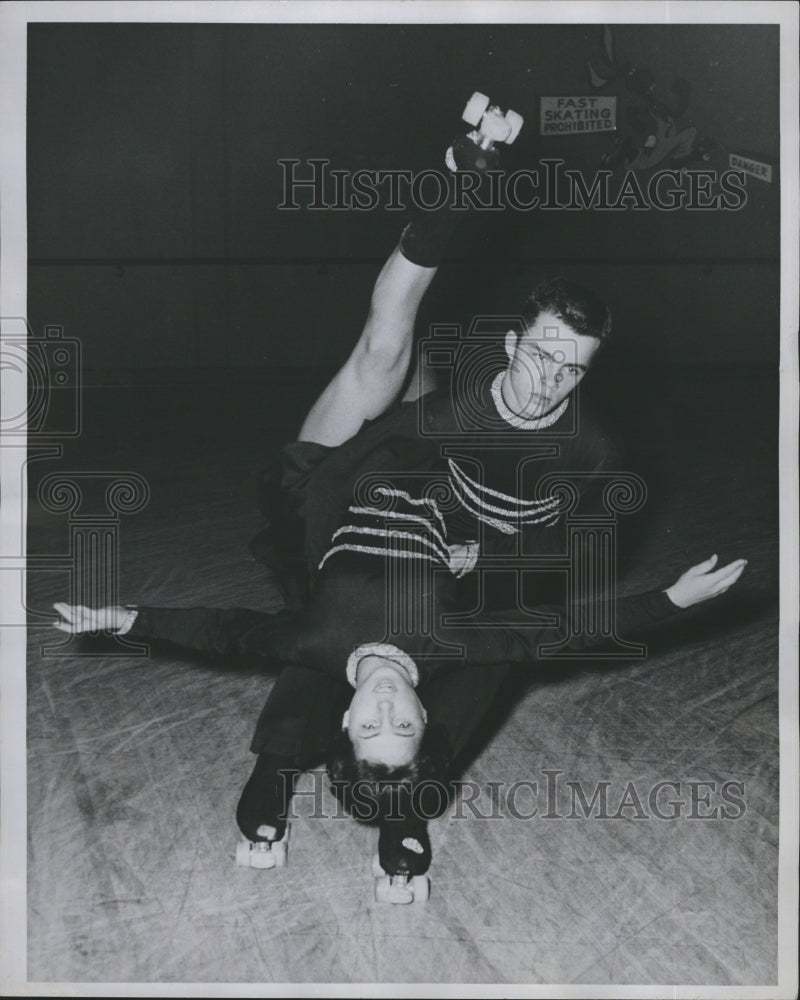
375,520
355,588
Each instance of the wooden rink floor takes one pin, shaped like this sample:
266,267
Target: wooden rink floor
135,764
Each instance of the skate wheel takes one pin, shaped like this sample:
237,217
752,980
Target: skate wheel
515,121
450,160
387,891
475,108
377,869
421,888
243,854
262,855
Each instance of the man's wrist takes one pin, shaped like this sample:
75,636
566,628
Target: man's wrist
132,613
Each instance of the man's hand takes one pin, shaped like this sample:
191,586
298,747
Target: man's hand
701,584
75,618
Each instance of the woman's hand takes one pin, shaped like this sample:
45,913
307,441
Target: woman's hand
76,618
701,582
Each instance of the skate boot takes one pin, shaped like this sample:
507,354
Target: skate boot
261,814
400,867
425,238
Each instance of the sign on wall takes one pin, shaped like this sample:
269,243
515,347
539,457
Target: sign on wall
578,115
755,168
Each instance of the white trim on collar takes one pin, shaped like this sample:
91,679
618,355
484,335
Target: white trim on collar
388,652
523,423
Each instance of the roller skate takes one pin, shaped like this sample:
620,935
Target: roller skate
476,150
261,814
400,867
425,238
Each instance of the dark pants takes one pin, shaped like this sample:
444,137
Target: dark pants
302,713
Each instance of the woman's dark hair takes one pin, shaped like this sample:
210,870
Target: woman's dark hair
375,792
581,308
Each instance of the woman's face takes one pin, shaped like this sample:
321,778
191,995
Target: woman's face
386,720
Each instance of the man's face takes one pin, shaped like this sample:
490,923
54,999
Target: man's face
385,720
546,362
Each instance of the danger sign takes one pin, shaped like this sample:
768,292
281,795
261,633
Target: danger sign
577,115
753,167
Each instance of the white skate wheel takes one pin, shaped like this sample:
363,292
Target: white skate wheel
377,869
515,121
421,887
253,855
494,126
261,855
475,108
262,860
387,891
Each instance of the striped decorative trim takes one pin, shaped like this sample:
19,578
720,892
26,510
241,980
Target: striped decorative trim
374,512
505,526
385,650
389,533
380,551
507,521
471,487
417,502
523,423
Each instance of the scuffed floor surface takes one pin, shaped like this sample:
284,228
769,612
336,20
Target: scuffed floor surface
135,764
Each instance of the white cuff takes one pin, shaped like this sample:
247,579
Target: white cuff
130,618
473,551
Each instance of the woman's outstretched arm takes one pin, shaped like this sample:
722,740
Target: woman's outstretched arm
230,631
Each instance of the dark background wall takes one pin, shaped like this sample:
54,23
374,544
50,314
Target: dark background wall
153,186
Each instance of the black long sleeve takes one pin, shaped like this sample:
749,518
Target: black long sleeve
502,639
234,631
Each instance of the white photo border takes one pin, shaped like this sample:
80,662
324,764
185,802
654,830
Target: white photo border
14,19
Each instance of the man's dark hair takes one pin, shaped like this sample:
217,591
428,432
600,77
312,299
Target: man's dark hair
376,792
580,307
